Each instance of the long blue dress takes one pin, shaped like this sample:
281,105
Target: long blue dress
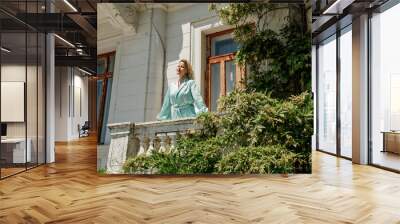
183,101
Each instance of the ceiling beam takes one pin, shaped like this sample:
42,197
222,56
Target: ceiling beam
81,61
84,24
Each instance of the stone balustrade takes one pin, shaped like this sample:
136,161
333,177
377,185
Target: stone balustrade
132,139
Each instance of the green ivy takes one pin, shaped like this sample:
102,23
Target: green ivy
278,62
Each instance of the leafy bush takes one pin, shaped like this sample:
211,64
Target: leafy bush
256,119
289,123
258,160
199,156
191,156
251,121
139,164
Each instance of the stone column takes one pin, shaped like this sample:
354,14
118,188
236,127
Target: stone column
360,90
122,144
50,92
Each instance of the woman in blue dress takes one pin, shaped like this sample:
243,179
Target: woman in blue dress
183,99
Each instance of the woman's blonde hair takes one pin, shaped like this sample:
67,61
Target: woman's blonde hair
188,66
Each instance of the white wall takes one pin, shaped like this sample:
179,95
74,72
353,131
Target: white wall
129,78
61,103
138,75
186,30
67,117
33,127
17,72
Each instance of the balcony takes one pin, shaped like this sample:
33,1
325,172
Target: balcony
130,139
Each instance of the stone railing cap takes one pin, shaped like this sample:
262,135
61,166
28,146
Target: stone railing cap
122,124
166,122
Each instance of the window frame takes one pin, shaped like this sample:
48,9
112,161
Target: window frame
221,59
104,77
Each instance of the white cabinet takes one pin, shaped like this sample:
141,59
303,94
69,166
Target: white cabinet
18,149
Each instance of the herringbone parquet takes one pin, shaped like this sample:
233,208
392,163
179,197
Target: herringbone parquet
70,191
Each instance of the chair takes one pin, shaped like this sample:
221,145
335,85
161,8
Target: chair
84,130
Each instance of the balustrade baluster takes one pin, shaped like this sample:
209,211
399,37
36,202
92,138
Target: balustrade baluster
142,144
172,146
151,145
163,138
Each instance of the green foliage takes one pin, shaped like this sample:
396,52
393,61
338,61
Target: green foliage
278,62
101,171
254,121
289,123
140,164
258,160
199,156
241,108
192,155
289,61
209,123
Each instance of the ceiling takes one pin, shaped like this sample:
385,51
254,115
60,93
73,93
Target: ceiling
328,16
73,20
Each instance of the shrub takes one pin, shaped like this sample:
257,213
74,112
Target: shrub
258,160
139,164
289,123
199,156
191,156
251,121
256,119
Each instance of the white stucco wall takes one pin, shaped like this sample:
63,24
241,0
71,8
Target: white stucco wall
130,69
138,72
186,29
66,121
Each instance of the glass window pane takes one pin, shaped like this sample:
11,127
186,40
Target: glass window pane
106,111
230,76
385,88
99,94
111,63
13,87
215,85
31,100
41,99
101,65
327,96
223,44
346,93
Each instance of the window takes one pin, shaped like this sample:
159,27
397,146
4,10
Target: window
385,89
105,67
327,95
223,74
22,90
346,92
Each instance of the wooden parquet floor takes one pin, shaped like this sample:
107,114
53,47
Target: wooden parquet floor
70,191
